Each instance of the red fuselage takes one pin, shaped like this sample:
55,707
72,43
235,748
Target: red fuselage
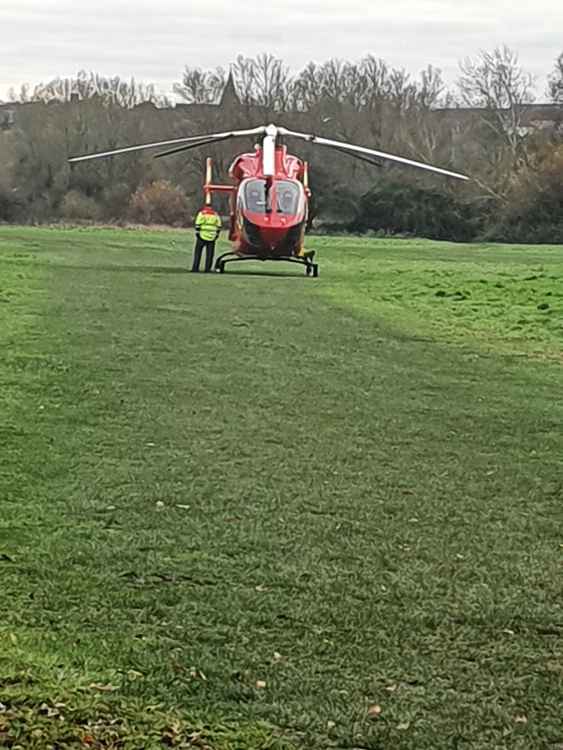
269,213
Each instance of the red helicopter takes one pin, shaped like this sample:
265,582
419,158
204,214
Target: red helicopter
270,195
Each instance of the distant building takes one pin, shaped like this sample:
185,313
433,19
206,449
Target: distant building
531,117
7,116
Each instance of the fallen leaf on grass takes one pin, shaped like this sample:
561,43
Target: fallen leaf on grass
50,711
172,735
260,684
391,688
374,712
261,589
109,688
277,656
521,719
196,739
183,507
160,505
133,675
330,725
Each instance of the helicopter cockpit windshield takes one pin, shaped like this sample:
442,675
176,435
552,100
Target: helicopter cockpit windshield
284,197
256,196
288,197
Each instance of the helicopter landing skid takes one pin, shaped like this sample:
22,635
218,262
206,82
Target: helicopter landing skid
311,269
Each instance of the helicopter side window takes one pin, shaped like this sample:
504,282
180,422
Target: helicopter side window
288,197
255,196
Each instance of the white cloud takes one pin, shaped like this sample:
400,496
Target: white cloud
42,39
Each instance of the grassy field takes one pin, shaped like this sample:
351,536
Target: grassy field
265,511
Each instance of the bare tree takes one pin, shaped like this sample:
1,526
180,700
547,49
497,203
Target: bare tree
375,81
556,81
201,86
244,74
87,85
272,83
364,101
431,89
20,96
496,84
306,90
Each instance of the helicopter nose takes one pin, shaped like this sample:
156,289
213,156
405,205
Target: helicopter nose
273,236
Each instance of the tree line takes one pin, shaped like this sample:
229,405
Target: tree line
488,126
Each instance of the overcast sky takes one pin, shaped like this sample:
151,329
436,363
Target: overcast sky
153,41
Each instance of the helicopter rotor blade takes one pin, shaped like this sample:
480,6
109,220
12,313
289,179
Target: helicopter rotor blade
361,157
197,144
343,146
129,149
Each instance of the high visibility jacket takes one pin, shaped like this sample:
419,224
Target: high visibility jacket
208,226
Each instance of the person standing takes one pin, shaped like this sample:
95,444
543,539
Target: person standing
207,229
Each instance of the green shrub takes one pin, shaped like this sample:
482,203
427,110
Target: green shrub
75,205
412,209
534,212
160,202
10,205
115,200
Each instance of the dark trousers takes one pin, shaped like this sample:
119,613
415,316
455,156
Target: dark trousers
200,245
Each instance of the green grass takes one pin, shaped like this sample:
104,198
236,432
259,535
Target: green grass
349,489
